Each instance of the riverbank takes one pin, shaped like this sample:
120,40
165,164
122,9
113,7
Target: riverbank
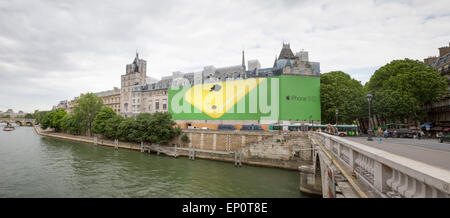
224,156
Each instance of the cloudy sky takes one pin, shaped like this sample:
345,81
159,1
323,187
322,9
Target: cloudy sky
56,49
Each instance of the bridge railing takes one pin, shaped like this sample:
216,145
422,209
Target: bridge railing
390,175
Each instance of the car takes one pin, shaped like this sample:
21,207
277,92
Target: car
252,127
226,127
205,128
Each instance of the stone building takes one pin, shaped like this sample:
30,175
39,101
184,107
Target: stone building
111,99
135,75
142,94
439,112
62,104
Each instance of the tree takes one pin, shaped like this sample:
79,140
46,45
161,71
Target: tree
112,126
126,128
28,116
53,119
86,110
39,115
339,91
154,128
70,124
402,87
163,128
101,118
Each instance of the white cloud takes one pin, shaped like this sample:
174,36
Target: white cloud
54,50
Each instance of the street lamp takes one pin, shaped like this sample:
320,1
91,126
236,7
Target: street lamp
337,111
369,133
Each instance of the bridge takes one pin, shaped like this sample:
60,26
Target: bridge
18,121
395,168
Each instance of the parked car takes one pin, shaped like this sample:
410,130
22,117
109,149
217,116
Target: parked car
252,127
226,127
205,128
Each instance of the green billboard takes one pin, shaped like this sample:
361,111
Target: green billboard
285,97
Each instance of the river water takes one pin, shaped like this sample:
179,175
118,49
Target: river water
37,166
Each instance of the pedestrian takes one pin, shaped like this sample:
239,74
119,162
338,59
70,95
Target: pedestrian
394,133
379,134
386,133
422,135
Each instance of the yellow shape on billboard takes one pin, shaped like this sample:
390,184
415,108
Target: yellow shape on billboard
215,99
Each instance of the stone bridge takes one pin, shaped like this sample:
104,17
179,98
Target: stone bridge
18,121
345,168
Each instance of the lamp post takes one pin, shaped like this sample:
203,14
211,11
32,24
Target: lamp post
369,132
337,111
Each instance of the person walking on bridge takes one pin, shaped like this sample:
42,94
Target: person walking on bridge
379,134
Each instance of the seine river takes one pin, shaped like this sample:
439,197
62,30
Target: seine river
36,166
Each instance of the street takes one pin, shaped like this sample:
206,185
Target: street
428,151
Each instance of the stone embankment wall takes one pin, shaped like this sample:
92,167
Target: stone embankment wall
222,140
258,148
285,151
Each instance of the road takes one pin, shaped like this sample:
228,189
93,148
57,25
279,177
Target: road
425,150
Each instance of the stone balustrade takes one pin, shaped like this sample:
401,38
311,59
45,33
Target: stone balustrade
388,174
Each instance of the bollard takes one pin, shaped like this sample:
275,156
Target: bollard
175,155
240,158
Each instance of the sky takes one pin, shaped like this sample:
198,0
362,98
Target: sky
54,50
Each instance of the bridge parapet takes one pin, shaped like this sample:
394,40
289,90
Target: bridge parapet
389,174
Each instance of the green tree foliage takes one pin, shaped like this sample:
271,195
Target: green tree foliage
39,115
163,130
112,126
6,116
339,91
402,87
154,128
86,110
126,128
28,116
70,124
101,118
53,119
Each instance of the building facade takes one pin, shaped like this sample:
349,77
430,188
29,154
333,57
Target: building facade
111,99
439,112
293,81
298,78
135,75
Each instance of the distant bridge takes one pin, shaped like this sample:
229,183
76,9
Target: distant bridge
18,121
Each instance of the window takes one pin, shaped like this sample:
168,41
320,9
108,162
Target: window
164,104
126,107
157,104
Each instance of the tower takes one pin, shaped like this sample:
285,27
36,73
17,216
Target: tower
135,75
243,60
